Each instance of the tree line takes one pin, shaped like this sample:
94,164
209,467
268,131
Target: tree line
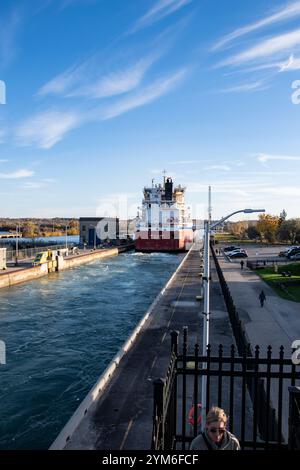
31,228
269,228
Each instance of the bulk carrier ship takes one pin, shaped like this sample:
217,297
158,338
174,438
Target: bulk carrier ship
165,224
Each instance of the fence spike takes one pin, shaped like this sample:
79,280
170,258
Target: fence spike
281,352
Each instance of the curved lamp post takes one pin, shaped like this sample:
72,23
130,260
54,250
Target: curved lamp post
206,313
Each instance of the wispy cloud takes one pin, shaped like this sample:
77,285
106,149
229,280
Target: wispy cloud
289,11
263,158
217,168
292,64
60,84
117,83
42,183
246,87
84,81
160,10
146,95
46,129
276,45
22,173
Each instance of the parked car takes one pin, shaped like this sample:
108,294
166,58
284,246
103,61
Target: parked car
238,254
230,248
238,250
293,252
287,251
295,256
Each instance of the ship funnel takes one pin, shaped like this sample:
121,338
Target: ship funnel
169,189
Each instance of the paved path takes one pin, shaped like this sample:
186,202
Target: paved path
277,323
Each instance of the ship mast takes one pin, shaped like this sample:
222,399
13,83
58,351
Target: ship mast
164,173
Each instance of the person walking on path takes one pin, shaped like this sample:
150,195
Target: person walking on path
242,264
262,298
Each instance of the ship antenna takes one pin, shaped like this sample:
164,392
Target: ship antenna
164,173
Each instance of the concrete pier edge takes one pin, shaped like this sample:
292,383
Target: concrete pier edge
28,274
107,374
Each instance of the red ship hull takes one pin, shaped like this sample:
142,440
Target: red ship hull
164,242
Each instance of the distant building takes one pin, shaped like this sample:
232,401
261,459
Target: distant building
96,230
10,234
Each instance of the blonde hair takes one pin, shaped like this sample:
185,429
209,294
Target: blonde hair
216,414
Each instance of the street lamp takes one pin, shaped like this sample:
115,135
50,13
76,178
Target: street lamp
206,279
18,231
66,237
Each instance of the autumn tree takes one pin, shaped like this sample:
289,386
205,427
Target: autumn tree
289,231
238,229
252,232
30,230
267,227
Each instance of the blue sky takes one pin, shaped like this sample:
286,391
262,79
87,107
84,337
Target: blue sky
103,95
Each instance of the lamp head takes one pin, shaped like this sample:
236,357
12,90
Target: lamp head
250,211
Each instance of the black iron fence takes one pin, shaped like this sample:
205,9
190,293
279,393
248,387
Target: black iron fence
253,390
294,418
236,324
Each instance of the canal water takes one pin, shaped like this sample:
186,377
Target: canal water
61,331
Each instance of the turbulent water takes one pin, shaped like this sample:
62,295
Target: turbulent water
61,331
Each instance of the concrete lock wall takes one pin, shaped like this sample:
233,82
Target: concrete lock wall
27,274
87,258
22,275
